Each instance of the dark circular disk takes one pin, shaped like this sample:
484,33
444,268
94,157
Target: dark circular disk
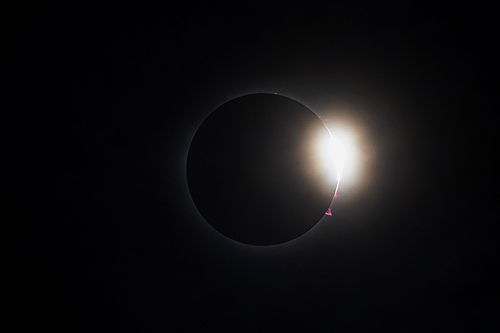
252,172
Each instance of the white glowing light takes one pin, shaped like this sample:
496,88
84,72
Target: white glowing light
337,151
325,159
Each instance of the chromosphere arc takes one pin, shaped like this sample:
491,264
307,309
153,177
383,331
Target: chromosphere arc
253,173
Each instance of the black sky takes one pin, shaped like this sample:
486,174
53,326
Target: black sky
101,104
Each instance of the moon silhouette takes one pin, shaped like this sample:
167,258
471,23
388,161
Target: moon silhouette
252,172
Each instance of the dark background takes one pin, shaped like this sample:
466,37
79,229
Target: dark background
100,105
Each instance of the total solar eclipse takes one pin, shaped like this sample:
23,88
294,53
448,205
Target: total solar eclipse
254,171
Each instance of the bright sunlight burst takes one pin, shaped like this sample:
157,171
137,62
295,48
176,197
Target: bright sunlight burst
336,153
